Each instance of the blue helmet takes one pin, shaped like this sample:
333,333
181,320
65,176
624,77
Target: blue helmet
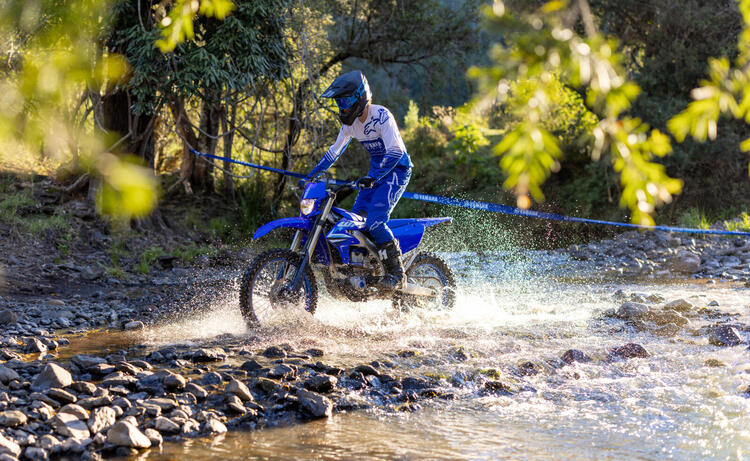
351,93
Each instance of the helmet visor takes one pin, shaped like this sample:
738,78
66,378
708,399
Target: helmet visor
347,102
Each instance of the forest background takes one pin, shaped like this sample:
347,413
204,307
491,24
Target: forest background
92,89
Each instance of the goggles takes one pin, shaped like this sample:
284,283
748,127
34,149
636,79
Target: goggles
348,101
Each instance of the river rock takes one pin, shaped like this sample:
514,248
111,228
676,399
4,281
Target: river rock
274,352
53,375
166,425
239,389
125,434
87,361
61,395
7,375
34,346
282,371
75,410
724,336
209,355
84,387
69,425
102,418
321,383
631,311
213,426
679,305
575,355
134,325
315,405
666,331
35,454
251,365
174,382
49,442
7,317
686,262
12,418
154,436
196,390
9,447
667,316
629,351
366,370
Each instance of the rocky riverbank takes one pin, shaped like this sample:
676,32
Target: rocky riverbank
664,254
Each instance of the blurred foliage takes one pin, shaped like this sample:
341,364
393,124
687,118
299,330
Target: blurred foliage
178,25
545,46
725,92
51,55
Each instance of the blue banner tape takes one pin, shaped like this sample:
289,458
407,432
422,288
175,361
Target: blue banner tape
496,207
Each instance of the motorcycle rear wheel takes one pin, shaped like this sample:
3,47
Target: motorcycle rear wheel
429,271
262,290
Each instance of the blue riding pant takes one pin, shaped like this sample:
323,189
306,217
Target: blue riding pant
378,202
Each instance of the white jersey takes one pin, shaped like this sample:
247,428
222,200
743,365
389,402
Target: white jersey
379,135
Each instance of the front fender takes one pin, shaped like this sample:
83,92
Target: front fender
294,223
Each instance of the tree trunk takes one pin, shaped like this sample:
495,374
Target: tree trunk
294,126
207,140
185,130
227,126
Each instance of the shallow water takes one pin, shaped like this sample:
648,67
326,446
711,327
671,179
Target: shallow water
668,406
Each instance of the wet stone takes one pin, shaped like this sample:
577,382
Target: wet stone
282,372
154,436
366,370
679,305
125,434
213,426
239,389
497,388
528,369
166,426
575,355
101,419
274,352
724,336
316,405
315,352
209,355
34,345
87,361
629,351
174,382
251,365
210,378
321,383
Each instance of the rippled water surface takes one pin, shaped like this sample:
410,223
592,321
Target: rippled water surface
676,404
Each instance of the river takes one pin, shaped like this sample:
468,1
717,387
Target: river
684,402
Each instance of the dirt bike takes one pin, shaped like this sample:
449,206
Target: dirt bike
335,241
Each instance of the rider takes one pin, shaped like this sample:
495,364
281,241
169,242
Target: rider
390,166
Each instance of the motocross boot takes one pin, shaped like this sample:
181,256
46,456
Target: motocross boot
390,254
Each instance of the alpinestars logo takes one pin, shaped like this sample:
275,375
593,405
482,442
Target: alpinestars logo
381,118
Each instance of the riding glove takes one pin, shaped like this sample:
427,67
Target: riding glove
366,182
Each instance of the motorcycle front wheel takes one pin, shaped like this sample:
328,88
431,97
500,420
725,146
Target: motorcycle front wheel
265,294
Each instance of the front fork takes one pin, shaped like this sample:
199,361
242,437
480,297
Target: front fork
310,244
